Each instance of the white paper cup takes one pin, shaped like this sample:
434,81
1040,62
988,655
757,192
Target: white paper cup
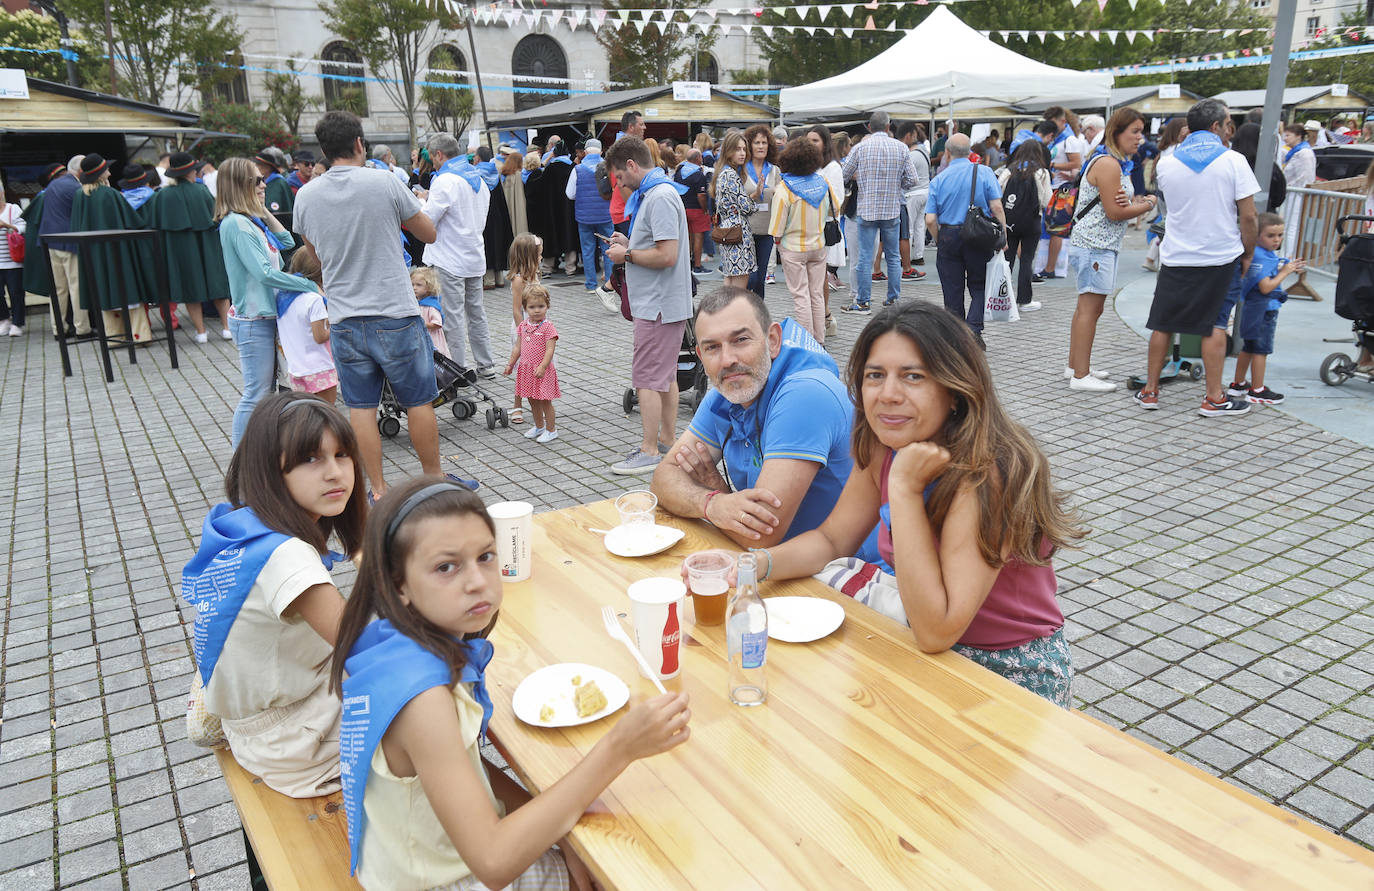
656,611
514,521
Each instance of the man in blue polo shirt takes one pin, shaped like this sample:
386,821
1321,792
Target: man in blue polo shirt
945,211
778,414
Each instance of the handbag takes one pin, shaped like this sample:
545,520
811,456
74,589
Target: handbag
726,234
202,728
999,296
618,285
981,232
14,240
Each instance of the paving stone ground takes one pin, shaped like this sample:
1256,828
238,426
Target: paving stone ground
1220,609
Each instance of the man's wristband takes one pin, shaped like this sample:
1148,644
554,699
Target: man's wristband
706,505
769,570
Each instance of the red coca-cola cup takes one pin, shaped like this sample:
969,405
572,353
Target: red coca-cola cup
656,611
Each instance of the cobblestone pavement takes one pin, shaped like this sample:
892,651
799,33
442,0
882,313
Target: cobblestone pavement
1220,609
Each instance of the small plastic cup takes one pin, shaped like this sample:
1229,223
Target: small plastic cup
706,579
637,509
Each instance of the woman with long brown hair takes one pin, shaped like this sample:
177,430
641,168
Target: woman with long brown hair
1106,200
761,176
733,208
962,497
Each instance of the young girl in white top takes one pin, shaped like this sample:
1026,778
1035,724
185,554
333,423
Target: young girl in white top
425,283
11,271
412,642
303,331
526,254
267,611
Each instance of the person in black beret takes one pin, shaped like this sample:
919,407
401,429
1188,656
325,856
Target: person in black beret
134,184
117,288
279,200
304,162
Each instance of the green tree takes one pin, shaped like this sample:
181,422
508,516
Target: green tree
161,46
449,110
655,55
33,30
394,38
286,98
262,128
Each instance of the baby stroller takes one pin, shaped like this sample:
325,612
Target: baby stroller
450,377
1354,299
692,382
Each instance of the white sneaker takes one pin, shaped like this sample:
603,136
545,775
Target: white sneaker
547,436
226,334
609,299
1091,384
1092,372
15,331
1029,307
203,337
535,432
5,326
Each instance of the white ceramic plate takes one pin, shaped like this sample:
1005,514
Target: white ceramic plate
802,619
642,541
553,686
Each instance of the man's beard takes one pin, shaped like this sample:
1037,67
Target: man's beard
742,393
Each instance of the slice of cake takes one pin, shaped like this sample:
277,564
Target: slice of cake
546,714
590,699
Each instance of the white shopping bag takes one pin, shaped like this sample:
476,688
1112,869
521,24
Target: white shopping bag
999,295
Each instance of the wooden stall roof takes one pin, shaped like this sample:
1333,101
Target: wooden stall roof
656,103
54,107
1296,97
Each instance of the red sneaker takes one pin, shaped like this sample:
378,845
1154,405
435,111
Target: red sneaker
1148,399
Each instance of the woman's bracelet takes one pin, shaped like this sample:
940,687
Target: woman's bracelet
768,571
706,505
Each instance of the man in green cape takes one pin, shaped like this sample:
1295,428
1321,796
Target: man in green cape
278,199
119,275
184,215
36,279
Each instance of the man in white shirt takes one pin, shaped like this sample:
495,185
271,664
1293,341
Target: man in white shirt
911,134
457,202
1210,236
1093,129
386,156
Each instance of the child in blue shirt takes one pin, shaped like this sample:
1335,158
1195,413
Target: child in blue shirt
1260,312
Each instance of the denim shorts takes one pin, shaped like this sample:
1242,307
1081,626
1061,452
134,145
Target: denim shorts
1257,325
370,349
1093,269
904,224
1229,302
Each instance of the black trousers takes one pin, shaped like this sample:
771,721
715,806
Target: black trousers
1025,244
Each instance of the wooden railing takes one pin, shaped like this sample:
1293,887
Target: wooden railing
1316,242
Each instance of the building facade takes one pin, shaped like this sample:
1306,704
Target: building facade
278,30
1314,17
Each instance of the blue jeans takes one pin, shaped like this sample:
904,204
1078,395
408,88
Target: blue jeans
587,232
957,262
763,250
257,343
869,232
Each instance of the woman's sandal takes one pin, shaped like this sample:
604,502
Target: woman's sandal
516,416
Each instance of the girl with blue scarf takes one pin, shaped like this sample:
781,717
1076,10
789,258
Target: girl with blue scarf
423,808
267,612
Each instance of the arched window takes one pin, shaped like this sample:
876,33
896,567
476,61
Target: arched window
538,55
449,110
447,57
232,88
707,69
341,59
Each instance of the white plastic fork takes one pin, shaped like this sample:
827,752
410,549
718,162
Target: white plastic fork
614,629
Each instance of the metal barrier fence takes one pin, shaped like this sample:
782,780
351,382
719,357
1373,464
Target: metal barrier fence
1316,241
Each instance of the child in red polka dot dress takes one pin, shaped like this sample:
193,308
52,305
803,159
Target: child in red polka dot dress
532,359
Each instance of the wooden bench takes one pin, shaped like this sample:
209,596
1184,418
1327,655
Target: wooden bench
300,843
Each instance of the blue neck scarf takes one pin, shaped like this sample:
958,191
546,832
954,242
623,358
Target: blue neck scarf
137,196
687,168
386,670
753,170
1127,165
490,175
461,167
1199,149
525,175
433,303
654,177
812,188
272,238
286,298
1294,150
1061,136
271,176
234,547
561,159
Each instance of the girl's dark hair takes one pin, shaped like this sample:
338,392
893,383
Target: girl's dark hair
989,452
753,133
1030,157
377,590
827,153
277,440
1046,128
800,158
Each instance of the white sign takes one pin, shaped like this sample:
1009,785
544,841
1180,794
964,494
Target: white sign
979,133
1169,91
1340,89
691,91
474,137
651,112
530,133
13,84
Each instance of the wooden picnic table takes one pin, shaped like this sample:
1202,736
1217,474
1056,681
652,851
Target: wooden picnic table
872,765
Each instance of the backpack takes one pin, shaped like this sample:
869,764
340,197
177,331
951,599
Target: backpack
1021,202
1060,215
603,181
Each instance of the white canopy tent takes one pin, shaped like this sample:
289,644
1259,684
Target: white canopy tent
942,65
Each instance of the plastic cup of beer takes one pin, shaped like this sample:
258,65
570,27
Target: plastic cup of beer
706,580
637,509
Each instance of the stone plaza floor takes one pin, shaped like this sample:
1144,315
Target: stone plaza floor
1219,609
